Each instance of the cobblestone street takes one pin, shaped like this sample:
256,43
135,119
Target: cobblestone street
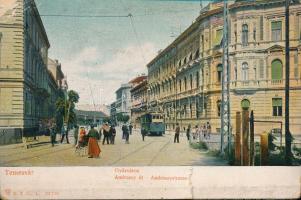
154,151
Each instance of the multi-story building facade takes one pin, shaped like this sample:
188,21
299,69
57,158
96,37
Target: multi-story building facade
123,100
185,78
139,101
23,70
113,113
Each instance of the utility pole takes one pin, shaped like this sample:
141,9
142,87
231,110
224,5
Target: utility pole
288,136
225,104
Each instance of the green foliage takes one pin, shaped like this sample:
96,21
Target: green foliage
200,145
73,96
65,109
107,119
122,118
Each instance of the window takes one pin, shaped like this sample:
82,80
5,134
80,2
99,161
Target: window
245,72
218,37
180,84
254,34
276,70
185,84
218,104
180,63
197,79
197,53
185,60
276,30
277,106
190,81
245,33
190,57
261,27
219,73
245,104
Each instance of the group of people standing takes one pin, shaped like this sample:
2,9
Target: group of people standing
93,136
196,132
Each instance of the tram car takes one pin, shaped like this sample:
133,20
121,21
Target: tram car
153,124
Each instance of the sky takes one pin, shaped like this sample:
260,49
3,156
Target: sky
98,54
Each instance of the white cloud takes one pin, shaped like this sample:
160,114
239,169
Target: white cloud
90,69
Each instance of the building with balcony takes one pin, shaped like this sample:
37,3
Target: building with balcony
139,101
24,76
185,78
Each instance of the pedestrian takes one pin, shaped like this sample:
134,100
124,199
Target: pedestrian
208,130
188,132
204,131
53,133
64,133
125,131
106,133
130,128
82,134
113,134
177,133
143,133
194,132
93,148
75,134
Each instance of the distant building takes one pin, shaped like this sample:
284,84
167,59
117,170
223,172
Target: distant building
88,107
139,101
56,70
24,76
123,100
113,113
89,117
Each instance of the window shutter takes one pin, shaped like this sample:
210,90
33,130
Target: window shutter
276,102
277,25
218,37
276,70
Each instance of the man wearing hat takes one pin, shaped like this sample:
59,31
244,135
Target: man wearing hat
106,133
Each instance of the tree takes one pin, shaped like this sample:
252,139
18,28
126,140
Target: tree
65,109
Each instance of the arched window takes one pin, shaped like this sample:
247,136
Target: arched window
185,60
219,72
245,104
185,84
180,84
276,70
245,33
190,57
245,72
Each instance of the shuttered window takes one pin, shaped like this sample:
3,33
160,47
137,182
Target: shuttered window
277,106
276,70
218,37
276,30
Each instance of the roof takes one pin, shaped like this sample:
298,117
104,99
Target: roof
138,79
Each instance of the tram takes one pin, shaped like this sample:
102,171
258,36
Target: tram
153,124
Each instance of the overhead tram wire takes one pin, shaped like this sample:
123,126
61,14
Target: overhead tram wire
85,16
137,38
